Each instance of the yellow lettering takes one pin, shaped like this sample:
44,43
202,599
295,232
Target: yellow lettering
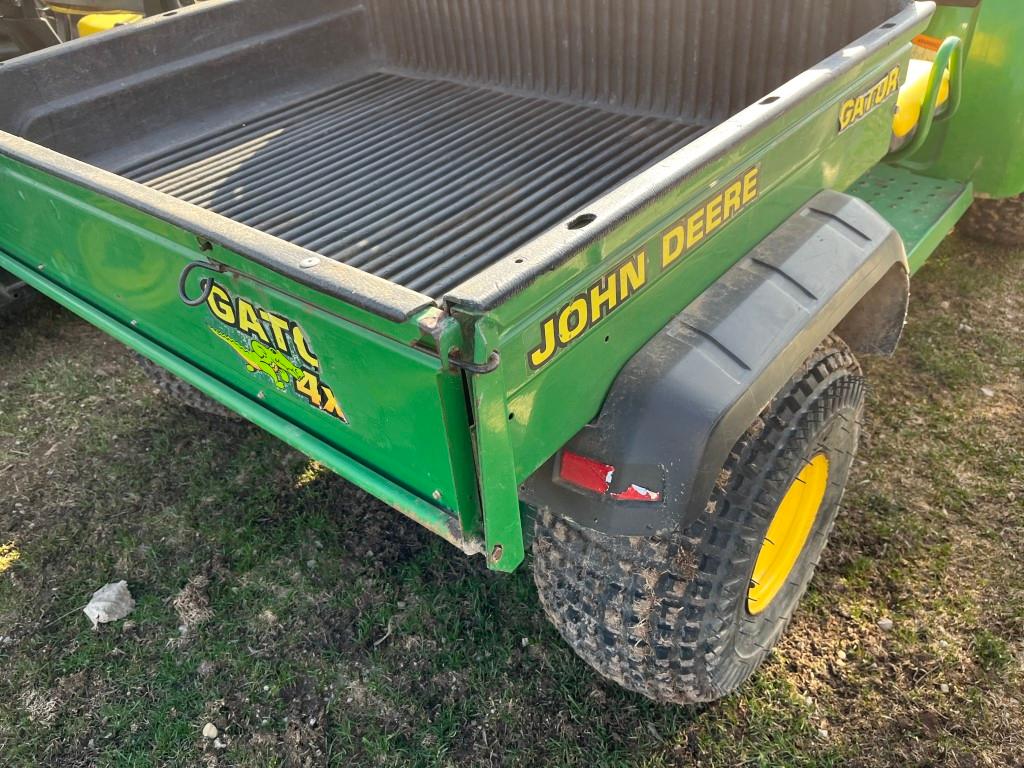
280,327
750,189
694,229
632,275
331,405
878,93
672,245
714,215
302,348
248,322
588,309
733,200
547,348
309,386
846,115
894,82
572,321
855,109
604,297
220,305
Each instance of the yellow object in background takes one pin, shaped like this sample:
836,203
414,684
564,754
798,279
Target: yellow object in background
911,99
101,22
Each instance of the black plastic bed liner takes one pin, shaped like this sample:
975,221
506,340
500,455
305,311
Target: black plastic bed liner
421,141
423,182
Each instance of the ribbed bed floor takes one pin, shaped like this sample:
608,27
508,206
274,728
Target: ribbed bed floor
422,182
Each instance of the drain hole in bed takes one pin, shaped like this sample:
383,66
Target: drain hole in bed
582,221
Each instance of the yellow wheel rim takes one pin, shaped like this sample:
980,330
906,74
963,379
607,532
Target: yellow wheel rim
788,533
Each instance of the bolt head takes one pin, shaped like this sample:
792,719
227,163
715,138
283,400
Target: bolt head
309,263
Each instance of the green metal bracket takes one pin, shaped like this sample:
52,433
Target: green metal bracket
949,56
503,524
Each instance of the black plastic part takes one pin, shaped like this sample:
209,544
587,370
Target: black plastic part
25,24
205,285
12,291
681,403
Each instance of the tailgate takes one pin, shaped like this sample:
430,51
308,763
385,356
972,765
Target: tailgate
360,392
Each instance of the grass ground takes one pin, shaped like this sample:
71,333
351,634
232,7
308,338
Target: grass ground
312,625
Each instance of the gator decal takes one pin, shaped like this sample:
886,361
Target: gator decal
856,108
586,310
273,346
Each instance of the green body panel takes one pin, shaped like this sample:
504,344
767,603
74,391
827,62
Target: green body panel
406,412
799,155
499,485
983,142
922,209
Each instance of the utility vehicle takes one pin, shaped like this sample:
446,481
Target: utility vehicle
581,276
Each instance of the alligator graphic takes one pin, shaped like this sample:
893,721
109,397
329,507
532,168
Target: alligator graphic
259,358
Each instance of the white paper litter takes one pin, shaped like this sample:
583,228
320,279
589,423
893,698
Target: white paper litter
109,603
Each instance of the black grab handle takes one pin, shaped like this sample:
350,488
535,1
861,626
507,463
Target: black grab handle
206,284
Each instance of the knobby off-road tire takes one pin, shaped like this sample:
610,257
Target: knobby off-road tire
181,392
668,616
996,221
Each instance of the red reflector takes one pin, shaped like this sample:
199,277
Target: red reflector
585,473
637,493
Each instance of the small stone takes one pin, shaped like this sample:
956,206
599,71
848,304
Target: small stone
525,641
885,624
823,733
841,654
944,688
944,305
210,731
218,744
988,392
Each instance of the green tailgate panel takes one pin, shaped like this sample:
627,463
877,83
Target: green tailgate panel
367,393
